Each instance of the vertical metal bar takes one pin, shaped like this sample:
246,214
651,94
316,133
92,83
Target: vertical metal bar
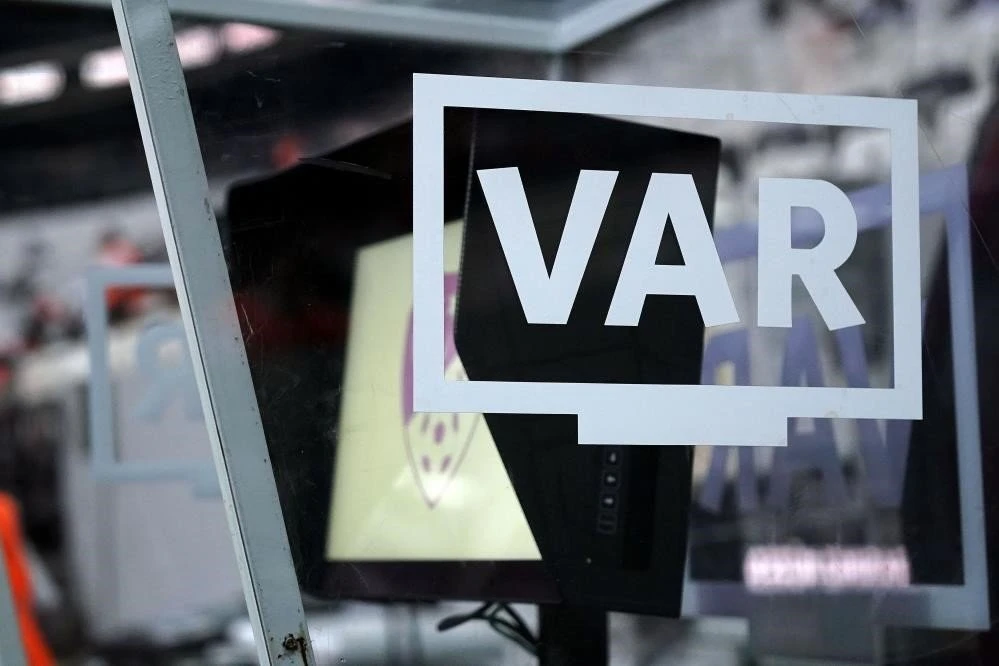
213,333
967,401
11,650
557,67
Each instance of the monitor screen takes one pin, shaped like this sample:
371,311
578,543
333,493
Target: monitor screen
409,486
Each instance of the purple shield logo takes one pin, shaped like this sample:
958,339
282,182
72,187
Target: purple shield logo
436,444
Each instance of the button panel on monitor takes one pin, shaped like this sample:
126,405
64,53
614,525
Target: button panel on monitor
610,483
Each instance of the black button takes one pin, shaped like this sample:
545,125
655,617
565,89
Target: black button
610,479
606,523
608,501
612,457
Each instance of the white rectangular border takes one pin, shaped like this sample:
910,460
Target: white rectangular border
756,415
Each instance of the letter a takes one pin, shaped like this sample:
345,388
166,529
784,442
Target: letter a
674,197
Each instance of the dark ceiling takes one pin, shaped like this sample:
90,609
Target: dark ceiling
306,88
85,143
28,27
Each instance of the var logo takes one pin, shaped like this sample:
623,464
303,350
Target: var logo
144,410
547,298
558,246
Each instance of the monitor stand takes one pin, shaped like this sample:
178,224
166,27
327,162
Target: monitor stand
572,636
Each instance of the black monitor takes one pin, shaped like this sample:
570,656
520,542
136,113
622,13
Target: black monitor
610,521
382,502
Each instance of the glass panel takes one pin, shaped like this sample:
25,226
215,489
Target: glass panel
862,540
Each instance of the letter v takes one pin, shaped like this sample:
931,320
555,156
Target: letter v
546,299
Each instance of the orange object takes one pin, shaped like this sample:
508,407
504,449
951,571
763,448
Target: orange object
115,250
36,650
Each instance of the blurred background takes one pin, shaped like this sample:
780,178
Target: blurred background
142,572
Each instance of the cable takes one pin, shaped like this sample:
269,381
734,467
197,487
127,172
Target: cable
416,652
518,620
512,627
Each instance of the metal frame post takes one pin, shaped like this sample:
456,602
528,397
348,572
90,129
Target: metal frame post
201,276
11,649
